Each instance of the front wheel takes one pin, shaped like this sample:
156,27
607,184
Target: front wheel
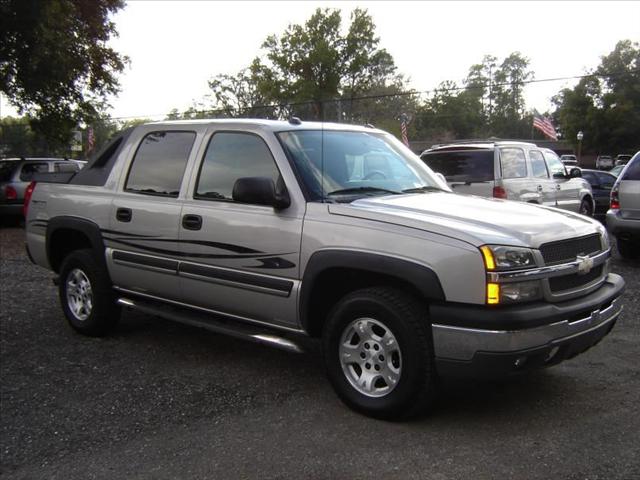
379,353
86,295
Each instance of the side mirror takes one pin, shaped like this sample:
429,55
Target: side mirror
261,191
559,175
575,173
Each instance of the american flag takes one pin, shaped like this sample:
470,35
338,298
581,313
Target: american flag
90,140
544,125
403,129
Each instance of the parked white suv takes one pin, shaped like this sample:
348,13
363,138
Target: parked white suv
511,170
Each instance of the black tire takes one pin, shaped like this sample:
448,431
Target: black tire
406,318
586,207
628,250
104,313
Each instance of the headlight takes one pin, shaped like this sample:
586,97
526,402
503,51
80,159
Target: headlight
497,257
503,258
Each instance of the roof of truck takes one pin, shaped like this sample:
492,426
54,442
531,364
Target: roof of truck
275,125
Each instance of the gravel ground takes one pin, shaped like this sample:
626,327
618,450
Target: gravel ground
161,400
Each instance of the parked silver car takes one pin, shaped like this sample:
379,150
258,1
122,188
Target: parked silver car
17,173
512,170
623,217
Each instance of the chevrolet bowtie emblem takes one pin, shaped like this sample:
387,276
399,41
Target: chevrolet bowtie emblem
585,264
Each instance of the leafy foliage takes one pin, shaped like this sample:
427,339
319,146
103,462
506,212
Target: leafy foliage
54,61
313,70
605,108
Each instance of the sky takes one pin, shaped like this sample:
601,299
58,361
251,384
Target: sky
176,47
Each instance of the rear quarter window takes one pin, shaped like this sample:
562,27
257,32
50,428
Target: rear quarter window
513,163
462,165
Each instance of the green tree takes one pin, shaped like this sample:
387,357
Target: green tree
55,64
606,106
507,117
310,67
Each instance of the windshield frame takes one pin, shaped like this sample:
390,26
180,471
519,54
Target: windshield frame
318,192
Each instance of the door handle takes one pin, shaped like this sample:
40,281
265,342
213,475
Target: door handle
124,214
557,187
192,222
539,188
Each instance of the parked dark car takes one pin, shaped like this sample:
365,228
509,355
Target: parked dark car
17,173
601,185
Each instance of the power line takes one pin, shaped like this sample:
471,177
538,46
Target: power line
396,94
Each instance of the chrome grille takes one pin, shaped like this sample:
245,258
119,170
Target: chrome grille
567,250
570,282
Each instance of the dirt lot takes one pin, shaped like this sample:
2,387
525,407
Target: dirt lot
161,400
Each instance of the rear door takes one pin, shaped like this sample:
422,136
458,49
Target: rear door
467,170
629,190
542,182
142,239
238,258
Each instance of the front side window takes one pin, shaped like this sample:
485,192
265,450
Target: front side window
513,163
538,167
159,163
556,167
230,156
340,165
29,169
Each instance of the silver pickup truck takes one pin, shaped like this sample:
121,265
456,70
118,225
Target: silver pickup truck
272,230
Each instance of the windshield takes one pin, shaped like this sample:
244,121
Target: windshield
334,164
462,165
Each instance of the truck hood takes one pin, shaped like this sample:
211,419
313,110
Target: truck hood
476,220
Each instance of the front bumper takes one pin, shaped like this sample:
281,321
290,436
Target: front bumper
514,339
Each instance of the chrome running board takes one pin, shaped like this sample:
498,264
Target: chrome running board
209,322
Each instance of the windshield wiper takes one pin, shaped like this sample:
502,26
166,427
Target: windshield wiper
423,189
356,190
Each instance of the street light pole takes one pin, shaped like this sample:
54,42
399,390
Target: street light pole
579,136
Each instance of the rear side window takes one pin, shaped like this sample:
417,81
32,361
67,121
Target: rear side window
6,170
538,167
29,169
633,170
230,156
159,163
591,178
605,179
65,167
462,165
513,163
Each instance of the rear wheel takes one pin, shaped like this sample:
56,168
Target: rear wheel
379,353
628,249
86,295
586,207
